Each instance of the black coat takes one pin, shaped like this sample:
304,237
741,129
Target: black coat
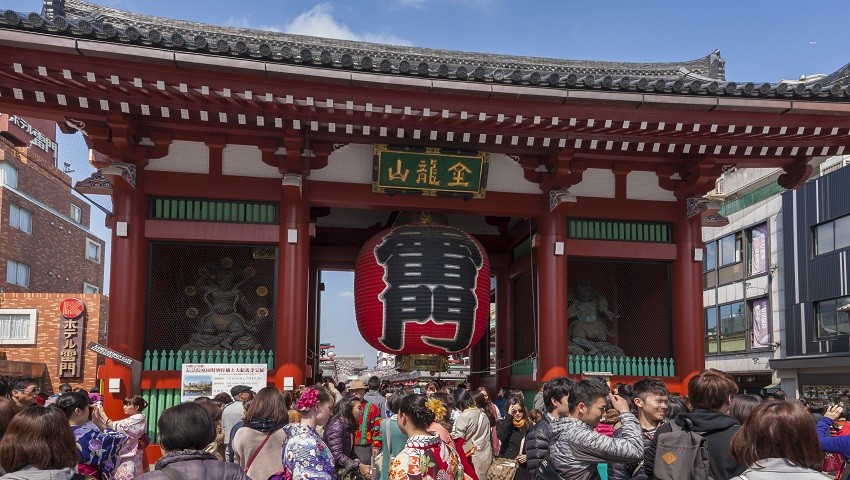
718,429
537,443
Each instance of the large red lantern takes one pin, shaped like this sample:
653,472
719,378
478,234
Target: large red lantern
422,288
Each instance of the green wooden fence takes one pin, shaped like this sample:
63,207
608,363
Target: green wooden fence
158,400
628,366
212,210
174,359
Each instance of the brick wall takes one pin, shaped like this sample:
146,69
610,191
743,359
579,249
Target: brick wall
46,348
56,249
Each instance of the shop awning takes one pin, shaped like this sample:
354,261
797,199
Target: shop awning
14,369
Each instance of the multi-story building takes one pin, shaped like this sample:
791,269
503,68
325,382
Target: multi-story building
746,274
49,254
46,244
744,288
817,288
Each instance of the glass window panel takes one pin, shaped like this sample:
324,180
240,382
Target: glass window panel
11,271
842,232
824,238
727,250
711,321
26,221
9,175
826,317
23,275
710,262
842,319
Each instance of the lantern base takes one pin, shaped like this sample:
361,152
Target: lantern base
420,362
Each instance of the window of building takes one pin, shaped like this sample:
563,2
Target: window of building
8,175
90,289
92,250
711,330
20,218
731,247
733,328
710,261
17,326
830,321
76,214
833,235
725,329
18,273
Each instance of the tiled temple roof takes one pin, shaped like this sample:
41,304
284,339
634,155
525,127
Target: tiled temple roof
703,76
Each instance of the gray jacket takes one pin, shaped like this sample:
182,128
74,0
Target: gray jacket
576,448
379,401
32,473
195,465
779,468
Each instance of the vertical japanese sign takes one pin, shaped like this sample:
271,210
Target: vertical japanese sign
761,324
758,259
71,329
429,171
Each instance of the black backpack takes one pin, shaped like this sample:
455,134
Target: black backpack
682,454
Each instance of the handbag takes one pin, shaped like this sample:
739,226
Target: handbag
504,468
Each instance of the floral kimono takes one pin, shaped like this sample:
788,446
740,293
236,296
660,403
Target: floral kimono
130,456
306,455
97,451
426,457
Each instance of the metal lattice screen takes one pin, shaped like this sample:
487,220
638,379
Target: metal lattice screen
639,293
211,297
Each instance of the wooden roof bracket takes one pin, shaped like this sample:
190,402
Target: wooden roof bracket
795,174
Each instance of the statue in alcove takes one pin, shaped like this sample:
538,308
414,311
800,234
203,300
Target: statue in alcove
223,327
588,317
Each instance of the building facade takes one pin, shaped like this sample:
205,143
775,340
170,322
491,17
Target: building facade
246,163
46,243
816,284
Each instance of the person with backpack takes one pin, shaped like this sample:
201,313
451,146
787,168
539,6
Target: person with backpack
556,394
576,449
649,397
777,442
838,444
710,393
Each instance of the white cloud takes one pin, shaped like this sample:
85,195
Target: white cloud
347,294
320,22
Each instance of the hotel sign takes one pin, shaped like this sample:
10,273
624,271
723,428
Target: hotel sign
72,326
429,171
39,139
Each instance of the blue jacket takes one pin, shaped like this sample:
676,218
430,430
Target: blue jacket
829,443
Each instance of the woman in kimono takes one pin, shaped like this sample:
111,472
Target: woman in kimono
305,454
425,455
97,446
130,456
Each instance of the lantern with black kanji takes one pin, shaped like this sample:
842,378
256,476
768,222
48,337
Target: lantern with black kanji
422,289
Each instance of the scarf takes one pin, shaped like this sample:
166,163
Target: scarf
518,423
266,425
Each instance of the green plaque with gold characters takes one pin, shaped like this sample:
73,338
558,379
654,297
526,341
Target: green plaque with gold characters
429,171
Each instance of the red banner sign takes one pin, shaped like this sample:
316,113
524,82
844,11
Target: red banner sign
71,329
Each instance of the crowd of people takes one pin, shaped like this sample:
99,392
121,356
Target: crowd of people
371,430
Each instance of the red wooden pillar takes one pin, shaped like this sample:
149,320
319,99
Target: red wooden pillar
292,291
504,327
551,297
128,285
688,334
313,332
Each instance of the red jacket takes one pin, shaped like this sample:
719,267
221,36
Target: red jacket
369,432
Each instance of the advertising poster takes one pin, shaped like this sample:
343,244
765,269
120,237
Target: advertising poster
210,379
758,262
761,324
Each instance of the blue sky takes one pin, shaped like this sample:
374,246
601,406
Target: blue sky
759,41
